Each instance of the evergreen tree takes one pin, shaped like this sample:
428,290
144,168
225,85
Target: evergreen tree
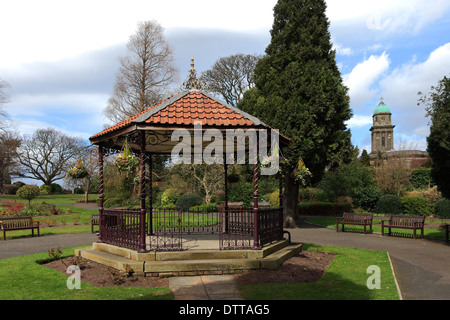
299,90
437,104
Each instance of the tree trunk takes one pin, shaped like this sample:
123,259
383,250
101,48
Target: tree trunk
290,202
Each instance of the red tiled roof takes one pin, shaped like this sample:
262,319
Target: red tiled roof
186,108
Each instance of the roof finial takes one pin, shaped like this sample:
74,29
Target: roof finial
192,83
381,100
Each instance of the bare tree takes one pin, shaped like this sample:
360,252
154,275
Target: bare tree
47,155
9,143
4,98
144,74
231,76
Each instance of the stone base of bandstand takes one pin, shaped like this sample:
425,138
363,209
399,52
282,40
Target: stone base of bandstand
201,256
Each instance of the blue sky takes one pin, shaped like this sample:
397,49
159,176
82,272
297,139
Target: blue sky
61,57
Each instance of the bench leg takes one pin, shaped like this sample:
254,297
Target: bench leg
365,231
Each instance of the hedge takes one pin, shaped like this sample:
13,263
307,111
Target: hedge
324,209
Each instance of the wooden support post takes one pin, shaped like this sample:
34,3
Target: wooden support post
142,244
100,196
225,167
255,200
150,192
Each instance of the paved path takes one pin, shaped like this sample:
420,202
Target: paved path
422,267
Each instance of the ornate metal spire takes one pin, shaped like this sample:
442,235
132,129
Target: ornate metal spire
192,83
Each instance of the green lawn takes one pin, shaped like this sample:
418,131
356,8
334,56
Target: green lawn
345,279
23,278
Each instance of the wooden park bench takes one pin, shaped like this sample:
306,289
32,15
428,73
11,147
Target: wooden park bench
18,223
358,219
94,221
403,222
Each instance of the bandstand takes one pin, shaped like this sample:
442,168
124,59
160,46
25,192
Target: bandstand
150,233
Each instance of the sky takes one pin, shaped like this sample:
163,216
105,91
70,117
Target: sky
61,57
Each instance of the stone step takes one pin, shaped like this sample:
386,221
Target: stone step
191,266
190,254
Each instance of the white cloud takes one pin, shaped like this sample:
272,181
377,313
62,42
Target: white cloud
341,50
401,86
361,79
52,29
359,121
387,16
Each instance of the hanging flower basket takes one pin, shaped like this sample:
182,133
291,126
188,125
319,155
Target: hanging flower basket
302,176
126,161
78,172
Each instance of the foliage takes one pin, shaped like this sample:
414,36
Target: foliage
367,197
441,208
242,191
346,180
421,178
12,207
185,201
56,188
389,204
169,197
231,76
437,104
273,198
28,192
415,205
393,176
45,189
206,207
126,163
303,176
299,90
47,154
364,159
324,208
298,82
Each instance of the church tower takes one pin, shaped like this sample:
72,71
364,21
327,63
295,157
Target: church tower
382,129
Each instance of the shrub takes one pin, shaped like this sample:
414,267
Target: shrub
12,207
421,178
389,204
274,198
56,188
28,192
367,198
415,205
206,207
441,208
324,209
169,196
188,200
45,189
15,186
242,191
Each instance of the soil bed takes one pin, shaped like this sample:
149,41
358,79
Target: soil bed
308,266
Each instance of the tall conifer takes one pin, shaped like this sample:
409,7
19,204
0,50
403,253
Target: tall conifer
299,90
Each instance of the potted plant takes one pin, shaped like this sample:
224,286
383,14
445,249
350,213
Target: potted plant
126,161
78,172
302,176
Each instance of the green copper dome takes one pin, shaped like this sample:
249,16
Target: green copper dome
382,108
